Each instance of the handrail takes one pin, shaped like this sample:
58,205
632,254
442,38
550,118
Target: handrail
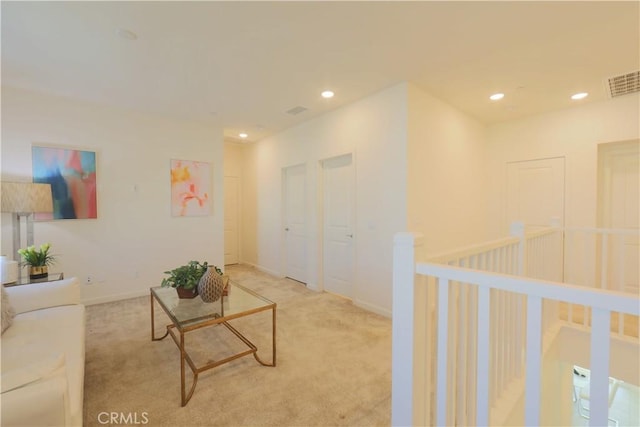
532,234
474,249
623,231
574,294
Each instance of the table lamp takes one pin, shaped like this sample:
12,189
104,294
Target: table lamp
23,199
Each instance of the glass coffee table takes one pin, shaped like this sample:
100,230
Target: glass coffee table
188,315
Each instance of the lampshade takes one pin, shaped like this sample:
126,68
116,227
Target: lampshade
26,197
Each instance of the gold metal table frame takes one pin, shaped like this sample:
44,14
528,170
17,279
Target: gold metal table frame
190,315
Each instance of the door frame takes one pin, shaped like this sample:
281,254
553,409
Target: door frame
321,217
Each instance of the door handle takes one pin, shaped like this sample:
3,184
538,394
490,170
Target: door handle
286,229
350,236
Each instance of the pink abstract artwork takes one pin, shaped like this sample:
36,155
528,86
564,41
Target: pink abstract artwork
190,188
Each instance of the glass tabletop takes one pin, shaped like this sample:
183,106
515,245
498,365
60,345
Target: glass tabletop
193,311
26,280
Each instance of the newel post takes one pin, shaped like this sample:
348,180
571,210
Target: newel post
516,229
402,328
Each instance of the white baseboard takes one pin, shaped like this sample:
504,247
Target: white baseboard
115,297
373,308
313,287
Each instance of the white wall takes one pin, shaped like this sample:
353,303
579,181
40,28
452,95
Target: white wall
574,134
446,177
374,129
134,239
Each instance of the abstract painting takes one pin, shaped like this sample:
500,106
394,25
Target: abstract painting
190,188
72,175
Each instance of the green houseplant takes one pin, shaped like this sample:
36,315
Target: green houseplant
38,260
185,278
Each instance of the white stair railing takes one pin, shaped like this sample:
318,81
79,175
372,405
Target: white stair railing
603,259
463,351
601,302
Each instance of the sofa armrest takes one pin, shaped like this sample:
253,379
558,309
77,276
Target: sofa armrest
41,403
42,295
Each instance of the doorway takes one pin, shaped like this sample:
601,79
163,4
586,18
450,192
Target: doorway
338,214
295,222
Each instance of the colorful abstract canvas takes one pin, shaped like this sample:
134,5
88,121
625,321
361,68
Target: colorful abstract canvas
190,188
72,175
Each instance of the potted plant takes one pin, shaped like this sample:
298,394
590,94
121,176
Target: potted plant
185,278
38,260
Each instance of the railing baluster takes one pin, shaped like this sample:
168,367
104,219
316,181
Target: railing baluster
599,377
534,340
473,367
452,351
621,258
463,355
603,262
510,337
443,334
494,337
482,392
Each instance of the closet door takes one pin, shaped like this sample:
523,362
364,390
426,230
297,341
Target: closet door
338,225
535,192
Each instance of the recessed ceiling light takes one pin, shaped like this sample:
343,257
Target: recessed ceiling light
496,96
327,94
127,34
580,95
243,135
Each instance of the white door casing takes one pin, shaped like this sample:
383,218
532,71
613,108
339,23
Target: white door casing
619,206
535,192
231,219
295,222
338,184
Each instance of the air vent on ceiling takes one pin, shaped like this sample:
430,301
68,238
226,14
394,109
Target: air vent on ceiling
296,110
623,84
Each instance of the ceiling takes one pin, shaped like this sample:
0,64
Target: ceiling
242,65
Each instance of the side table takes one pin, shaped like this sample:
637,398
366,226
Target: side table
52,277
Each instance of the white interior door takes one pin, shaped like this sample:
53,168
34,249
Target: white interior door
535,192
338,220
231,219
619,185
295,222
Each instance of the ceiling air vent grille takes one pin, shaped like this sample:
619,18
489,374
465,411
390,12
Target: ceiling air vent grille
296,110
624,84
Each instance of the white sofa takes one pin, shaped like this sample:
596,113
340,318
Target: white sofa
43,355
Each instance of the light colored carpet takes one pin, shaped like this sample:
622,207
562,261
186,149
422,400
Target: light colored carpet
333,364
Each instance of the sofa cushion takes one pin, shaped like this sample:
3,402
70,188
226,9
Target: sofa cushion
39,334
8,312
41,369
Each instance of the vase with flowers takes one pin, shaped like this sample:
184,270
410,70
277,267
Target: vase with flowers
38,260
